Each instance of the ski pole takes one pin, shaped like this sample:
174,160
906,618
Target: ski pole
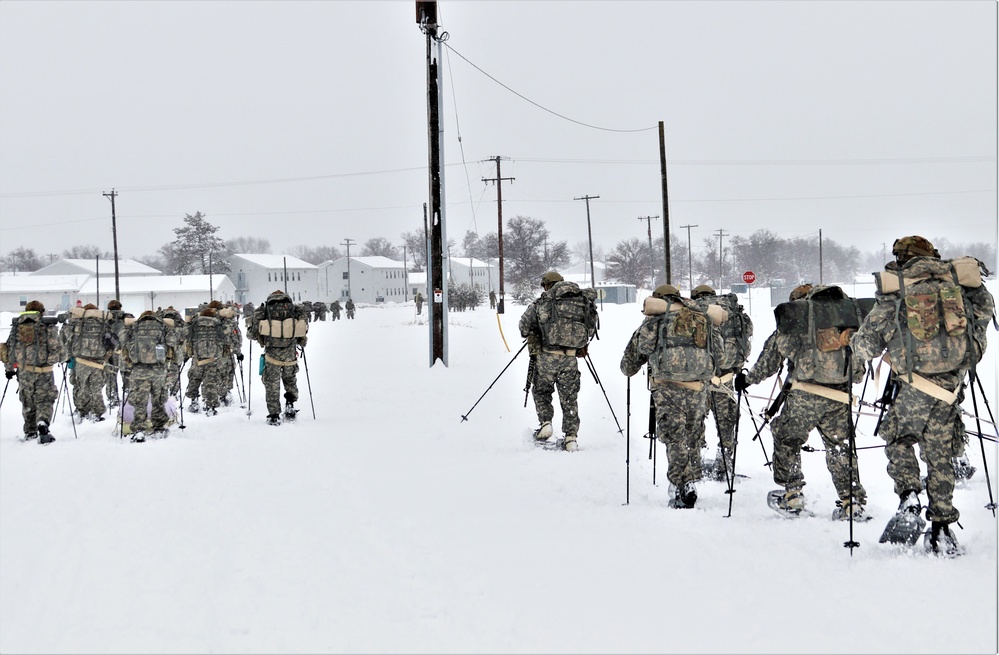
240,362
249,397
180,392
65,387
309,382
759,429
852,446
981,441
730,475
651,434
596,378
121,412
4,392
464,417
627,442
239,394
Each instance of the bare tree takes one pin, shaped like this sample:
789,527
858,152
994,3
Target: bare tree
316,255
21,260
248,246
628,263
524,251
379,247
86,252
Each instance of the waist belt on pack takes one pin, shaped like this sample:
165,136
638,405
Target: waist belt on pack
37,369
930,388
207,360
89,362
569,352
693,386
278,362
719,381
825,392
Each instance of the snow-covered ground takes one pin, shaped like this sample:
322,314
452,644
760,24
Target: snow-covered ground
388,524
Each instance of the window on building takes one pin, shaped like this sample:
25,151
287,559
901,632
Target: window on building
345,274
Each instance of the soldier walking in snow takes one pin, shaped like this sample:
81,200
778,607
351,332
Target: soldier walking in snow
32,349
280,328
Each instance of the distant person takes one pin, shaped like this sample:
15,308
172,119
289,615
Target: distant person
350,308
558,327
334,310
31,351
492,300
206,349
419,303
117,317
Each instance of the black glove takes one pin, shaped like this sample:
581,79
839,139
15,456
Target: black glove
239,356
581,352
11,373
741,384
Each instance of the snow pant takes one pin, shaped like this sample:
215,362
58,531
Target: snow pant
276,373
205,377
146,383
89,380
37,393
557,370
680,414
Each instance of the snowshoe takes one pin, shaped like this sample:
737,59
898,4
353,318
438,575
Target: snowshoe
29,436
569,443
906,526
45,438
211,411
138,437
273,419
194,407
963,470
940,541
162,433
290,412
227,400
683,497
844,508
790,504
544,432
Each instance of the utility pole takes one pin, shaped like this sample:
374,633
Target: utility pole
589,235
820,256
114,236
426,17
721,258
348,242
690,267
652,266
499,231
405,272
662,166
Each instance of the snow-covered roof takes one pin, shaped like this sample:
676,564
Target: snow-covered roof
475,263
160,284
377,261
36,283
276,261
417,278
125,267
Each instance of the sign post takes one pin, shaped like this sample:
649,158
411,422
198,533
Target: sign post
749,277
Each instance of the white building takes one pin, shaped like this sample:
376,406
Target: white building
580,273
141,293
417,283
482,275
256,276
103,267
56,292
369,280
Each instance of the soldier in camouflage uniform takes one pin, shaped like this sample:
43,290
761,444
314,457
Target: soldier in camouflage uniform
554,359
683,350
32,349
90,343
205,348
176,356
320,311
144,347
809,405
737,335
335,310
117,317
232,347
280,351
926,409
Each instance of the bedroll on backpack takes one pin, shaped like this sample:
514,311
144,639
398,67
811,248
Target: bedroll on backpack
736,332
148,342
570,319
932,312
684,346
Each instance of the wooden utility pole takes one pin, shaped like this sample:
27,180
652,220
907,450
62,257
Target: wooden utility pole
721,258
690,266
114,236
662,167
652,265
589,235
426,17
348,243
499,230
820,256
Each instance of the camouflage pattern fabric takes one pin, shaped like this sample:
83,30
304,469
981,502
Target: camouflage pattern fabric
726,413
37,393
680,414
88,389
557,371
801,413
115,363
276,374
205,378
147,381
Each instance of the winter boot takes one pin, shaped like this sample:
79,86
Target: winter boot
290,412
273,419
789,504
43,433
227,399
683,496
941,541
850,507
194,407
570,443
28,436
211,411
544,432
906,526
138,437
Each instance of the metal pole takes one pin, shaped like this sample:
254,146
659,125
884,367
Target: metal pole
690,266
114,235
589,234
662,166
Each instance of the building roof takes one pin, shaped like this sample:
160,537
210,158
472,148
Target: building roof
40,283
160,284
276,261
476,263
125,267
377,261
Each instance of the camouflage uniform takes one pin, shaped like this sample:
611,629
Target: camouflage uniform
205,348
350,308
916,417
280,359
802,412
555,363
89,354
335,309
681,405
33,361
176,356
232,348
147,381
114,362
737,333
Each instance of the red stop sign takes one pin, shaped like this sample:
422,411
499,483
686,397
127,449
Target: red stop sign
749,277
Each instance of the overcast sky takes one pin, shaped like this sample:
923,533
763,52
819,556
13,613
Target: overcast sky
306,122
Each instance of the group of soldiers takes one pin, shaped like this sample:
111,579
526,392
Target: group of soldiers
926,326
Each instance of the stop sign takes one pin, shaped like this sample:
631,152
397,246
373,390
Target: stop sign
749,277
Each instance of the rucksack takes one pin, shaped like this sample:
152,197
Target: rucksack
736,330
821,325
280,322
684,350
146,341
934,317
205,337
93,338
28,342
569,319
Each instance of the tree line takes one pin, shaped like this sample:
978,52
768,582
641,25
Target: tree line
528,252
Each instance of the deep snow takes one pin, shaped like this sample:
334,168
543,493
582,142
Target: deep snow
388,524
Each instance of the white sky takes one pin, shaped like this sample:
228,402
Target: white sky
305,122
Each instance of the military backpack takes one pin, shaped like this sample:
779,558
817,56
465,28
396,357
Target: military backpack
146,340
569,317
92,337
205,336
684,341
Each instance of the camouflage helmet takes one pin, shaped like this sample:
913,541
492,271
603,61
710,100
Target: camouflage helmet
35,306
665,290
702,290
800,292
905,248
550,278
114,304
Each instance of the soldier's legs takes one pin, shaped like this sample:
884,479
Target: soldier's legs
111,383
543,388
272,388
139,391
567,382
211,383
158,415
289,378
678,413
936,448
195,378
726,413
845,473
791,429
